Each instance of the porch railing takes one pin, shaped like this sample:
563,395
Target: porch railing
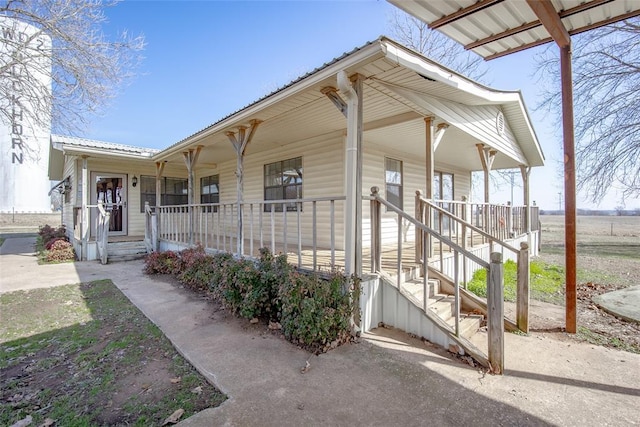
102,237
495,309
500,221
304,228
468,236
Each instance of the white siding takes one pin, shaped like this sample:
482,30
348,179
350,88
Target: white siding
323,175
413,179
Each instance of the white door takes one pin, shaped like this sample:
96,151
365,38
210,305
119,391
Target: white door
111,189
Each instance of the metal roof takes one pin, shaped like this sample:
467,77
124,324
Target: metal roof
495,28
72,142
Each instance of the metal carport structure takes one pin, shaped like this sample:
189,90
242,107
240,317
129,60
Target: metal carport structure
495,28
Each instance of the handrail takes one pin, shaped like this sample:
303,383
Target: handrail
430,231
102,237
521,258
494,276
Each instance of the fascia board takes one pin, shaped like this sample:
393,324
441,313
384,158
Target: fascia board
415,62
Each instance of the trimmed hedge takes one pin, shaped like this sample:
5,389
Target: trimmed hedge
314,312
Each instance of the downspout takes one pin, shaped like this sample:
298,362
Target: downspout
85,209
353,192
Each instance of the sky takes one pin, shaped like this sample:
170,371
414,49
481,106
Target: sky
206,59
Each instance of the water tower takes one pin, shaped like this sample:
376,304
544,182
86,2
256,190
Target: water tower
25,119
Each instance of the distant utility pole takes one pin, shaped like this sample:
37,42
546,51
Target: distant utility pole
559,200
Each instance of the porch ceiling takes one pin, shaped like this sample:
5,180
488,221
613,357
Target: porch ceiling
390,121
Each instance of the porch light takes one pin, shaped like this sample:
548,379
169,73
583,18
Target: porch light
134,180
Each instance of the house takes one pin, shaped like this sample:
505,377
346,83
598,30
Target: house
363,165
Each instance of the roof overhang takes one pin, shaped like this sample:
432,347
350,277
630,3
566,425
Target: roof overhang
381,62
495,28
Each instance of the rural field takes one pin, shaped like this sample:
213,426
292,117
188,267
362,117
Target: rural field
27,222
608,258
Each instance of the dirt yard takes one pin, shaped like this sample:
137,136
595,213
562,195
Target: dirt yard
608,258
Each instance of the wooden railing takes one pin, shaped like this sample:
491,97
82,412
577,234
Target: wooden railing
467,236
102,236
150,229
495,309
304,226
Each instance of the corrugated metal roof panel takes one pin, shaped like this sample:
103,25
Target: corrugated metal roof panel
90,143
513,16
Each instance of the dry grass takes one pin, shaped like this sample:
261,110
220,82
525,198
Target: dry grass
599,236
27,222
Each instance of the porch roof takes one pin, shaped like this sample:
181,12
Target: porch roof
401,87
69,145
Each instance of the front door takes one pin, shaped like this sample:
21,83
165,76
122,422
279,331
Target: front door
111,190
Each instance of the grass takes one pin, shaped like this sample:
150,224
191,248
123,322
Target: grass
546,282
596,338
84,355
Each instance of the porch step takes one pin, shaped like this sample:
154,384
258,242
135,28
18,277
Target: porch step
443,305
125,251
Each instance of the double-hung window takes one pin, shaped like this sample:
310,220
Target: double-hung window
393,181
173,191
210,190
283,181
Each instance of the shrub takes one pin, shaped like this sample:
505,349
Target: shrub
314,312
51,242
195,268
48,233
317,312
61,250
161,262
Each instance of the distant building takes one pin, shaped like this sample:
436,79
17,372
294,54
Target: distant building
24,143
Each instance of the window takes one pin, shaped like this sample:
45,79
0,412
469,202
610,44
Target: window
442,186
283,180
393,181
443,190
210,190
174,191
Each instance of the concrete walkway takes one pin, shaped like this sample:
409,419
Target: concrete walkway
386,379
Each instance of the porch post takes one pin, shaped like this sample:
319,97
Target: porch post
429,153
429,173
240,143
353,93
191,158
159,171
525,171
487,156
85,209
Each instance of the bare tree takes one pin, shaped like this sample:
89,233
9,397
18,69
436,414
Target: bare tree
66,68
416,35
606,79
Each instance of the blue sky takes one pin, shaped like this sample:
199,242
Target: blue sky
206,59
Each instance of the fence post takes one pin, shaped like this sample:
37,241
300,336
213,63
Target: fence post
420,218
376,232
495,313
522,294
